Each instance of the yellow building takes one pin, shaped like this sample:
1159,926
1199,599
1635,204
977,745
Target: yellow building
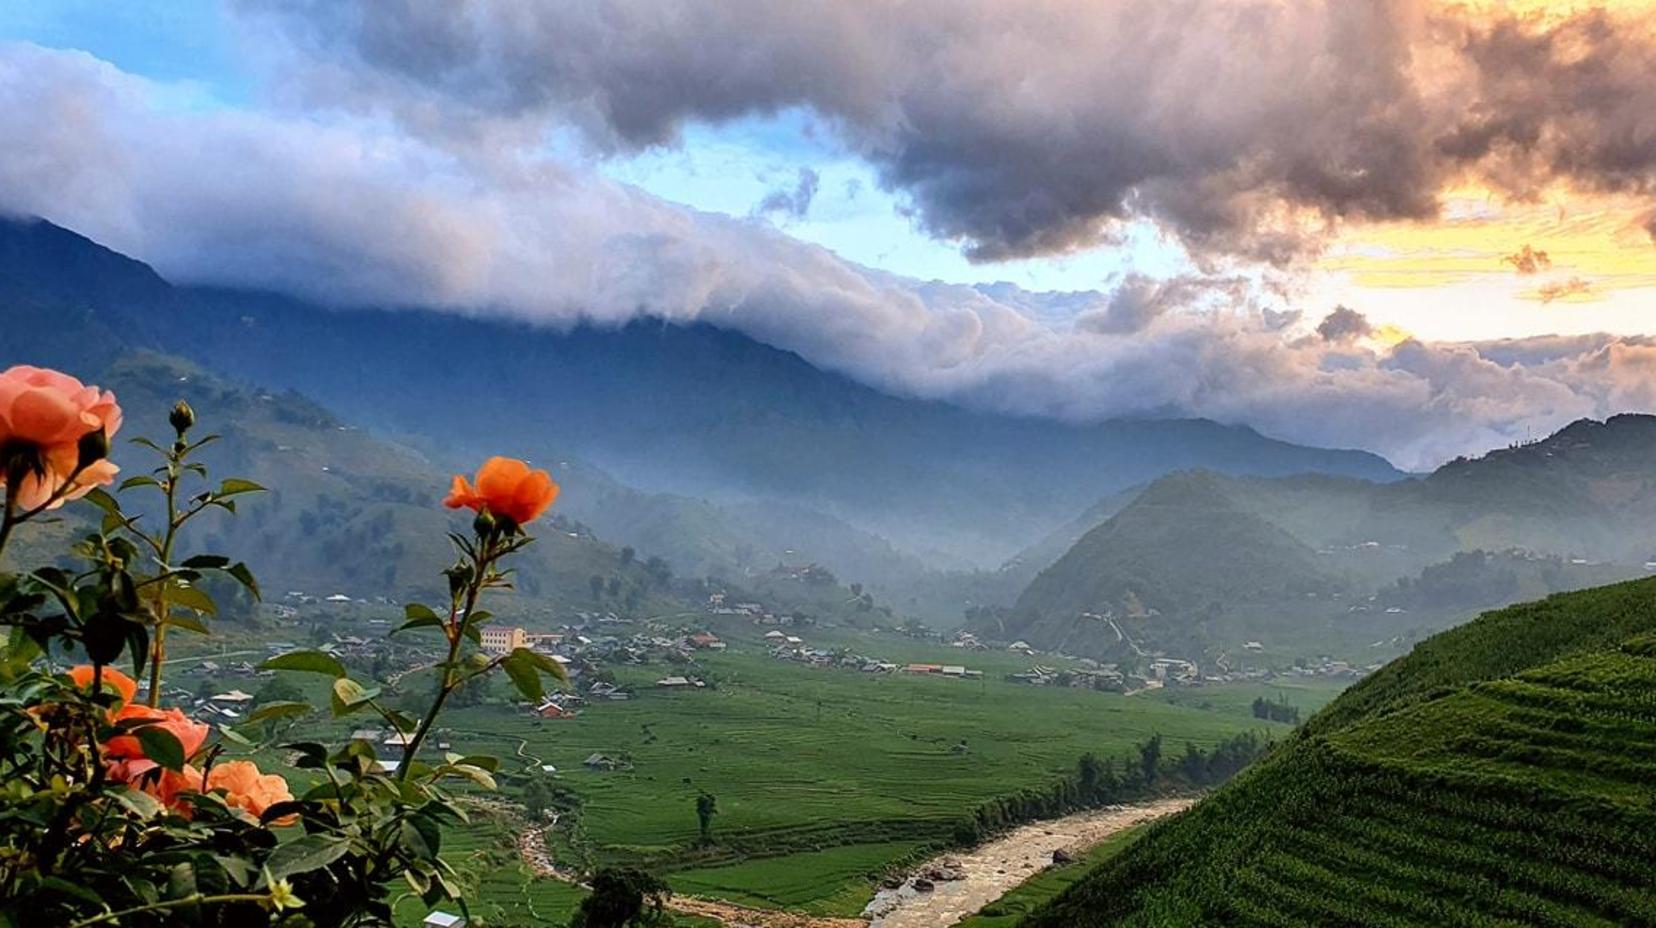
497,640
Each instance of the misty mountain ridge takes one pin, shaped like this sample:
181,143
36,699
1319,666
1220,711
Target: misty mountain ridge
679,413
1205,562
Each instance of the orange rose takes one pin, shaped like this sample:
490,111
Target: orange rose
507,488
122,684
170,784
126,755
247,789
44,414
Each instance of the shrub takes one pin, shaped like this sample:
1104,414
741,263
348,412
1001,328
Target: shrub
117,810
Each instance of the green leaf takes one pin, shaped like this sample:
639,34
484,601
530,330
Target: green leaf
420,837
207,562
306,662
234,485
520,666
549,666
302,855
138,481
103,501
191,598
236,868
349,695
278,710
245,578
419,616
484,761
312,755
476,774
187,621
139,803
72,888
161,746
236,737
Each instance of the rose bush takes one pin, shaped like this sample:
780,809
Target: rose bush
116,810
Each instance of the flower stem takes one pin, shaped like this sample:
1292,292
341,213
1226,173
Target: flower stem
7,520
461,610
192,899
158,647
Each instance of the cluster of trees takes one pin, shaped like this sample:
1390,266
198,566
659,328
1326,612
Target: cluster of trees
624,898
657,574
1276,711
1102,782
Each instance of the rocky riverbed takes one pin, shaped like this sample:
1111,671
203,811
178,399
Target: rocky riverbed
947,889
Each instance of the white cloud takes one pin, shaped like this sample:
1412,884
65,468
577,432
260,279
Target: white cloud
352,210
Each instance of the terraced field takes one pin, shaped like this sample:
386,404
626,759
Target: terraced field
827,882
824,778
1521,799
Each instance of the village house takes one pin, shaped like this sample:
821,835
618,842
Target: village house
550,709
501,640
678,683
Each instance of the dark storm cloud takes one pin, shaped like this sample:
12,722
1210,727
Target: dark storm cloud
1019,129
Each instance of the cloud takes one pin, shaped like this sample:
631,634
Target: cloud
1527,260
794,203
1343,325
1246,128
1139,300
352,209
1569,288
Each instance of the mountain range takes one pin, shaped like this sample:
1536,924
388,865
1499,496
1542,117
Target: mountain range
703,445
1204,563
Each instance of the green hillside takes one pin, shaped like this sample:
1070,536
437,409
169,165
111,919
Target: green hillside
1181,554
347,511
1502,774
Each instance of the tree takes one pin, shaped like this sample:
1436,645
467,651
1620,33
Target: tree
706,807
658,571
1150,758
615,586
597,584
1193,765
627,555
537,796
623,898
1090,774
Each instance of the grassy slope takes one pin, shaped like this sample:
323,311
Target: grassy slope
1501,775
